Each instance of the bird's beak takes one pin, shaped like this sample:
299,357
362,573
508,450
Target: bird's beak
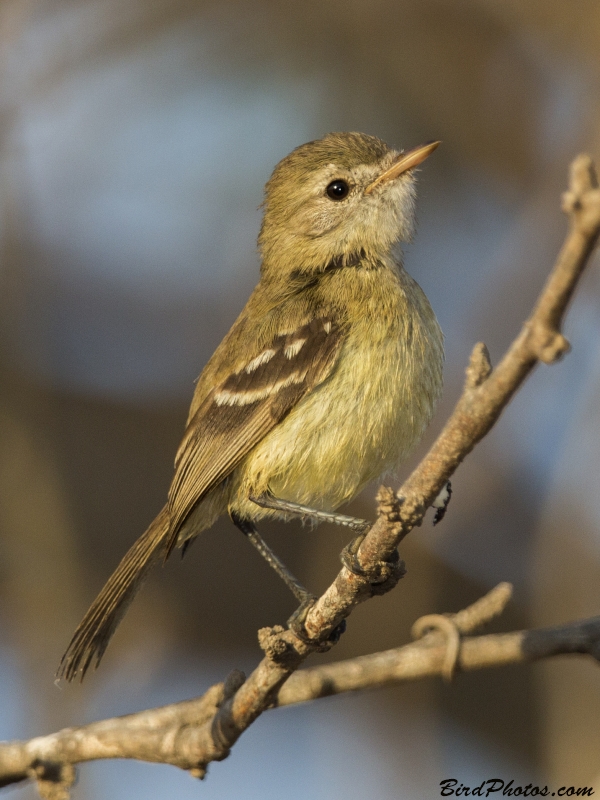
406,161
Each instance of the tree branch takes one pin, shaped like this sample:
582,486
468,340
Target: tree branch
428,657
163,734
487,392
231,709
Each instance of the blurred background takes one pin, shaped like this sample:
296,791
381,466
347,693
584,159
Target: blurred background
135,139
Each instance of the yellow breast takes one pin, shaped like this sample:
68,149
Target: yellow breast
367,416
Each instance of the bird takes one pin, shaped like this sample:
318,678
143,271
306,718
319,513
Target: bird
325,382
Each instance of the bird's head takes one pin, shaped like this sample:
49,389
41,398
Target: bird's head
345,194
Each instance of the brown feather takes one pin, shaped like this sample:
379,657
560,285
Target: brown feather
95,630
221,434
217,439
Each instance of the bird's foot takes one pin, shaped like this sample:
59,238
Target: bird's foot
383,576
306,513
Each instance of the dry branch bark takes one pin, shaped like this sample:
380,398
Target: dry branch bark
212,724
163,734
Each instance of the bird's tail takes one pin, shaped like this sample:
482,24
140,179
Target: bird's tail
95,630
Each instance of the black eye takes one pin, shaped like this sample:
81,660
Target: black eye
337,189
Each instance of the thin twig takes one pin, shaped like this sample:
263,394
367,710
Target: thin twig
422,660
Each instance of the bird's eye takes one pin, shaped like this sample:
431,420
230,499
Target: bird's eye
337,189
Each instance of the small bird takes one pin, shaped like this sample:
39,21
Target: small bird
325,382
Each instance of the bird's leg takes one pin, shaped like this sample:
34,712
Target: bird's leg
307,600
361,526
249,530
268,500
380,576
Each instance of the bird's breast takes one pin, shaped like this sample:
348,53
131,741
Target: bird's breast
365,418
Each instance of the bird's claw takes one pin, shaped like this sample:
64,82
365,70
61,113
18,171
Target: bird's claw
383,576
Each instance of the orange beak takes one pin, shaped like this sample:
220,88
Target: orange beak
405,162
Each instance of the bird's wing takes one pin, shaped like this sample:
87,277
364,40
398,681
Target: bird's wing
240,411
